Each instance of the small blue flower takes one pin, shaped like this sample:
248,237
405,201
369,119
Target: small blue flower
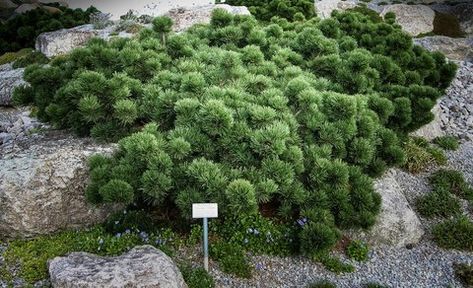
117,222
249,230
158,241
245,241
118,235
100,241
127,231
256,232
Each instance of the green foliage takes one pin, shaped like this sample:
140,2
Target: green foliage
33,57
438,203
257,234
374,285
420,155
454,234
292,117
134,220
334,264
447,142
11,57
27,259
357,250
453,182
197,277
287,9
322,284
464,272
21,31
231,259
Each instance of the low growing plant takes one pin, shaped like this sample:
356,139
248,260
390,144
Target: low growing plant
455,234
231,259
465,273
27,259
447,142
452,181
334,264
439,203
357,250
322,284
197,277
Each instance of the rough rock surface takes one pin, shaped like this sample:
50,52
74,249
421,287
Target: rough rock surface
26,7
324,8
9,79
460,49
434,128
16,124
457,105
65,40
414,19
463,11
397,224
186,17
42,185
143,266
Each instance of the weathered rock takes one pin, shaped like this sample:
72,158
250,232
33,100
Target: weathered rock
397,225
9,79
42,186
7,4
434,128
143,266
184,18
65,40
60,2
460,49
52,10
324,8
26,7
414,19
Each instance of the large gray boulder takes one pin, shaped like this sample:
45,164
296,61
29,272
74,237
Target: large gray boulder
414,19
184,18
42,186
324,8
65,40
397,225
143,266
9,79
459,49
434,128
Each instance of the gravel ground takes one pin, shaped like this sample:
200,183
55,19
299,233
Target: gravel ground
422,266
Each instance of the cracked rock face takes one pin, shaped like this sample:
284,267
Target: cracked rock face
9,79
143,266
397,224
42,186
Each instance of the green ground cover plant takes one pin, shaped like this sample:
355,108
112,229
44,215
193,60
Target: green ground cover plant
32,255
465,273
287,120
452,181
322,284
357,250
197,277
455,234
447,142
420,155
439,203
21,31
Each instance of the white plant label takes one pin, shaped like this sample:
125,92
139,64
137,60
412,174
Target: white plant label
204,210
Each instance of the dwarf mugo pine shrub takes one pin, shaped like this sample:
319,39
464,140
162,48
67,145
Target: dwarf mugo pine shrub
295,115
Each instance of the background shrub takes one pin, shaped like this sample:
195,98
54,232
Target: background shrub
464,272
287,9
21,31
